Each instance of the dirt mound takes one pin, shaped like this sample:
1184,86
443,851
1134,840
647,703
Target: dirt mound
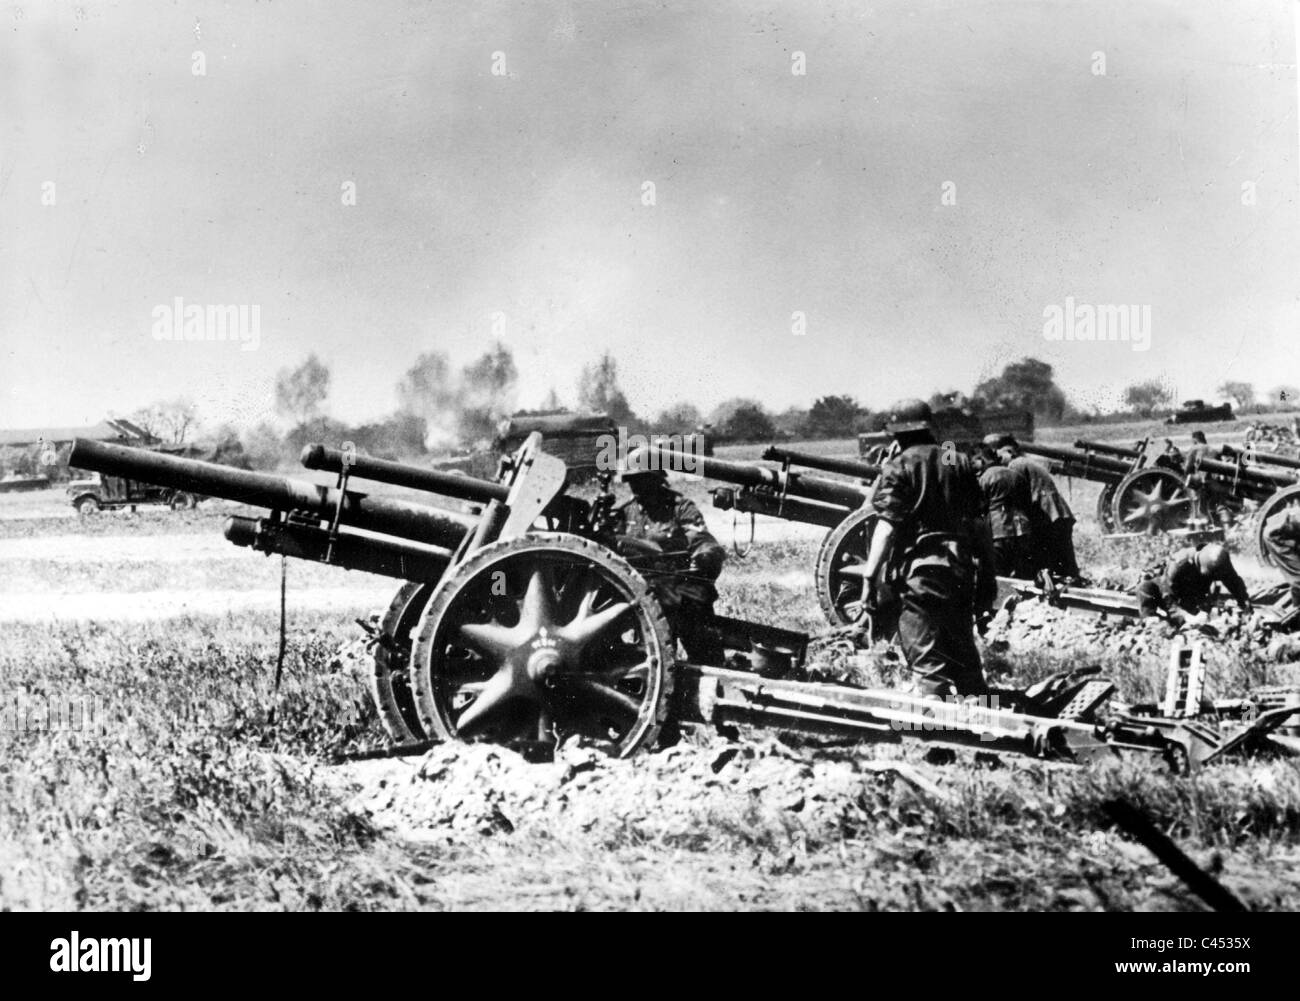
467,790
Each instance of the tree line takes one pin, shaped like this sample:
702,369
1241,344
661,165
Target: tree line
441,408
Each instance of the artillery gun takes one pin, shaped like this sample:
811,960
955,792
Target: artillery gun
519,624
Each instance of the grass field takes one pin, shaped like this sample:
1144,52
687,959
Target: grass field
151,642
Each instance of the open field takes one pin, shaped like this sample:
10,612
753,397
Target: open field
167,786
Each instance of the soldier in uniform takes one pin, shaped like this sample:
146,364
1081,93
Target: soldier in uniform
1200,447
1282,540
1052,532
1178,588
932,539
1009,501
663,534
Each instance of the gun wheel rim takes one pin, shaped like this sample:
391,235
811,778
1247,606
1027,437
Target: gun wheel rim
1105,514
1288,497
1152,501
533,640
391,679
840,561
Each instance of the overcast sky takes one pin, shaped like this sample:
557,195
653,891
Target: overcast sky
521,195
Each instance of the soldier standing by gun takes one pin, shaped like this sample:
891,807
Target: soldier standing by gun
1007,495
932,538
664,536
1052,545
1177,589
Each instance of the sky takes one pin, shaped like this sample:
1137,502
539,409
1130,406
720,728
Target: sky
898,218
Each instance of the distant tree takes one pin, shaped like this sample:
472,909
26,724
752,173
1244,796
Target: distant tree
791,422
833,417
1146,397
227,449
680,418
598,390
1027,384
263,446
300,392
171,421
427,388
951,398
721,414
552,404
1240,393
486,397
1284,398
749,422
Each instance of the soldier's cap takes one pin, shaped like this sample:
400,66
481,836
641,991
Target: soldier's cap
910,415
640,465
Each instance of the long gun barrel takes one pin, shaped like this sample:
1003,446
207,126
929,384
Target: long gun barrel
431,526
745,474
1255,482
846,467
1272,459
1081,463
399,474
1103,448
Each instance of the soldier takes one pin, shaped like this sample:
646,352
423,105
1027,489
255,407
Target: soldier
663,534
1009,501
1178,588
1170,458
932,540
1282,540
1052,532
1199,448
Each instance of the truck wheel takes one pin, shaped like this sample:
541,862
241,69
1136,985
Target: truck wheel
183,501
87,506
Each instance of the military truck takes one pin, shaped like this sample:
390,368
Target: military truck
961,427
97,493
575,438
1200,412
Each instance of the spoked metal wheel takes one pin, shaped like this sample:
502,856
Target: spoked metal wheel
535,639
839,570
390,681
1288,497
1105,512
1151,501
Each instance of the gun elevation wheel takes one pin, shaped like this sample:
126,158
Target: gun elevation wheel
1151,501
838,573
390,682
1288,497
535,639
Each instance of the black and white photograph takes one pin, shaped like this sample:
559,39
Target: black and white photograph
651,455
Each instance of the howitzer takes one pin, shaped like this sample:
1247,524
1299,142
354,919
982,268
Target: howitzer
783,493
1141,494
510,631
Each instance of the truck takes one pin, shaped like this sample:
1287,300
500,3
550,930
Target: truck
961,427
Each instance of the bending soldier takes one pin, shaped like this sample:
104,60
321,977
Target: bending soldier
932,540
664,536
1180,587
1009,501
1052,521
